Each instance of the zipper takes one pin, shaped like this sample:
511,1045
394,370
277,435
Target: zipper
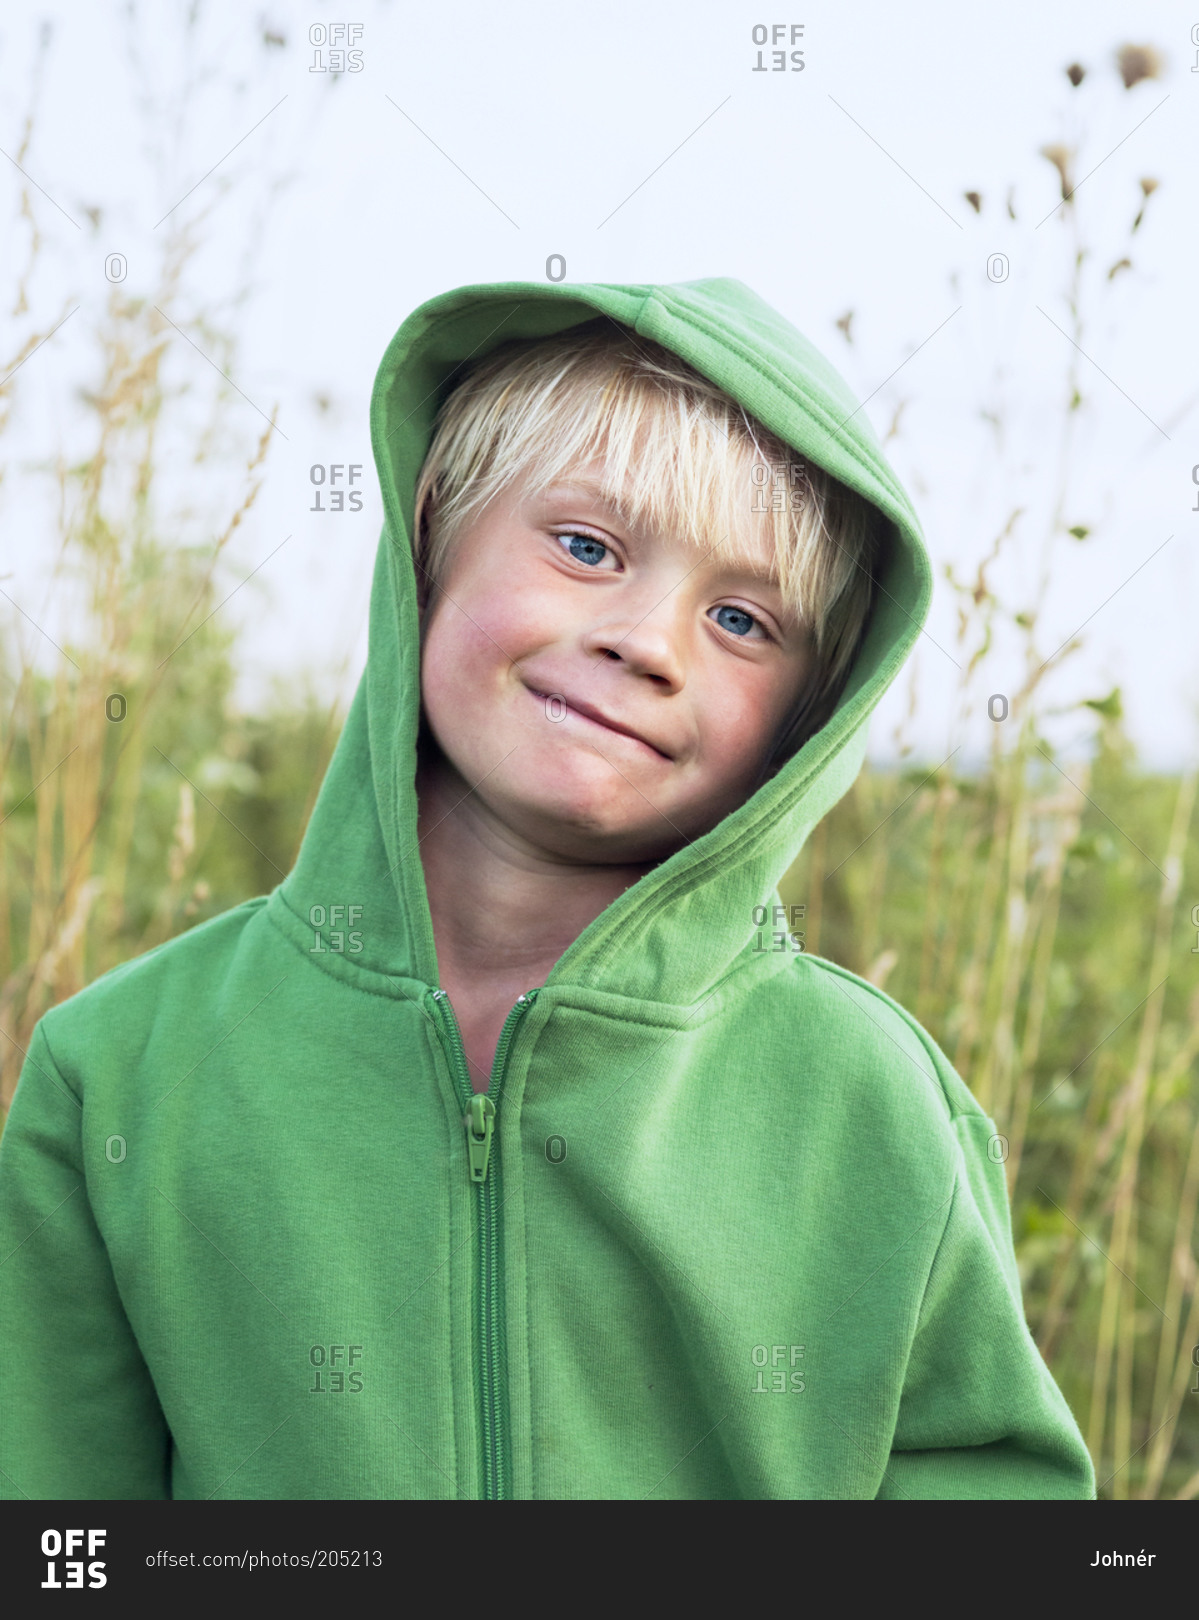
479,1122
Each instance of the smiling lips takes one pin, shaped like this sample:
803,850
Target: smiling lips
588,711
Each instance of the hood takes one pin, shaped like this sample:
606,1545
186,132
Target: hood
678,930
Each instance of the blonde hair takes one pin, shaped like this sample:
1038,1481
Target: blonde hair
678,454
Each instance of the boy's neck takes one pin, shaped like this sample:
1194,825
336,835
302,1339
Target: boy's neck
503,912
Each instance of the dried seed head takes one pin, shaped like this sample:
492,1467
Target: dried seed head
1060,157
1137,62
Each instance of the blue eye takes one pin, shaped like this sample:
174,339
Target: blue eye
738,613
594,555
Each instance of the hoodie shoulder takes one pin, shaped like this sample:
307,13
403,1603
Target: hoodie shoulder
118,1011
863,1021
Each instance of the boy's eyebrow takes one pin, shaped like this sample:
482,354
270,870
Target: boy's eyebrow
743,566
584,486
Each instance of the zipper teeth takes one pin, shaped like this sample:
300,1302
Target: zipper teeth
493,1472
494,1345
493,1361
449,1024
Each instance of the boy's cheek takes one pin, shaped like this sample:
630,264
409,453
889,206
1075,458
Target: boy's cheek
496,622
454,653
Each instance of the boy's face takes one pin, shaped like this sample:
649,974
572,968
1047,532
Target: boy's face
552,593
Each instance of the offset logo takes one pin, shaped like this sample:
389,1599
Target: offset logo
329,1365
329,40
318,473
57,1543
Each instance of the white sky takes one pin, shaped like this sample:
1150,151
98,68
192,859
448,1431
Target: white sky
345,215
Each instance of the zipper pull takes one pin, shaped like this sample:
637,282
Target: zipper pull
479,1120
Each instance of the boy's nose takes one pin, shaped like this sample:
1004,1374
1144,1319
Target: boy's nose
644,647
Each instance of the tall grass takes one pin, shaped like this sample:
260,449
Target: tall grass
1036,915
136,798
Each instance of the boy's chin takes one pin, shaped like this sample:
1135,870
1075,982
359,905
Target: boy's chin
594,827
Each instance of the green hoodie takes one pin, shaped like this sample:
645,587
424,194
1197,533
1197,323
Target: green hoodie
736,1230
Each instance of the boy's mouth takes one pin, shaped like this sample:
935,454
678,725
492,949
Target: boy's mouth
588,713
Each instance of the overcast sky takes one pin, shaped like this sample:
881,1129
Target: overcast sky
640,144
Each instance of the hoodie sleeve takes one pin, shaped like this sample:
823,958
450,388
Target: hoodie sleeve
79,1416
980,1415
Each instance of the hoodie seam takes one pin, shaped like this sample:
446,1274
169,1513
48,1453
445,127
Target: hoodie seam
54,1063
631,1008
749,844
348,984
732,341
954,1193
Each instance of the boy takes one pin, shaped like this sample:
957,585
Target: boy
510,1148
